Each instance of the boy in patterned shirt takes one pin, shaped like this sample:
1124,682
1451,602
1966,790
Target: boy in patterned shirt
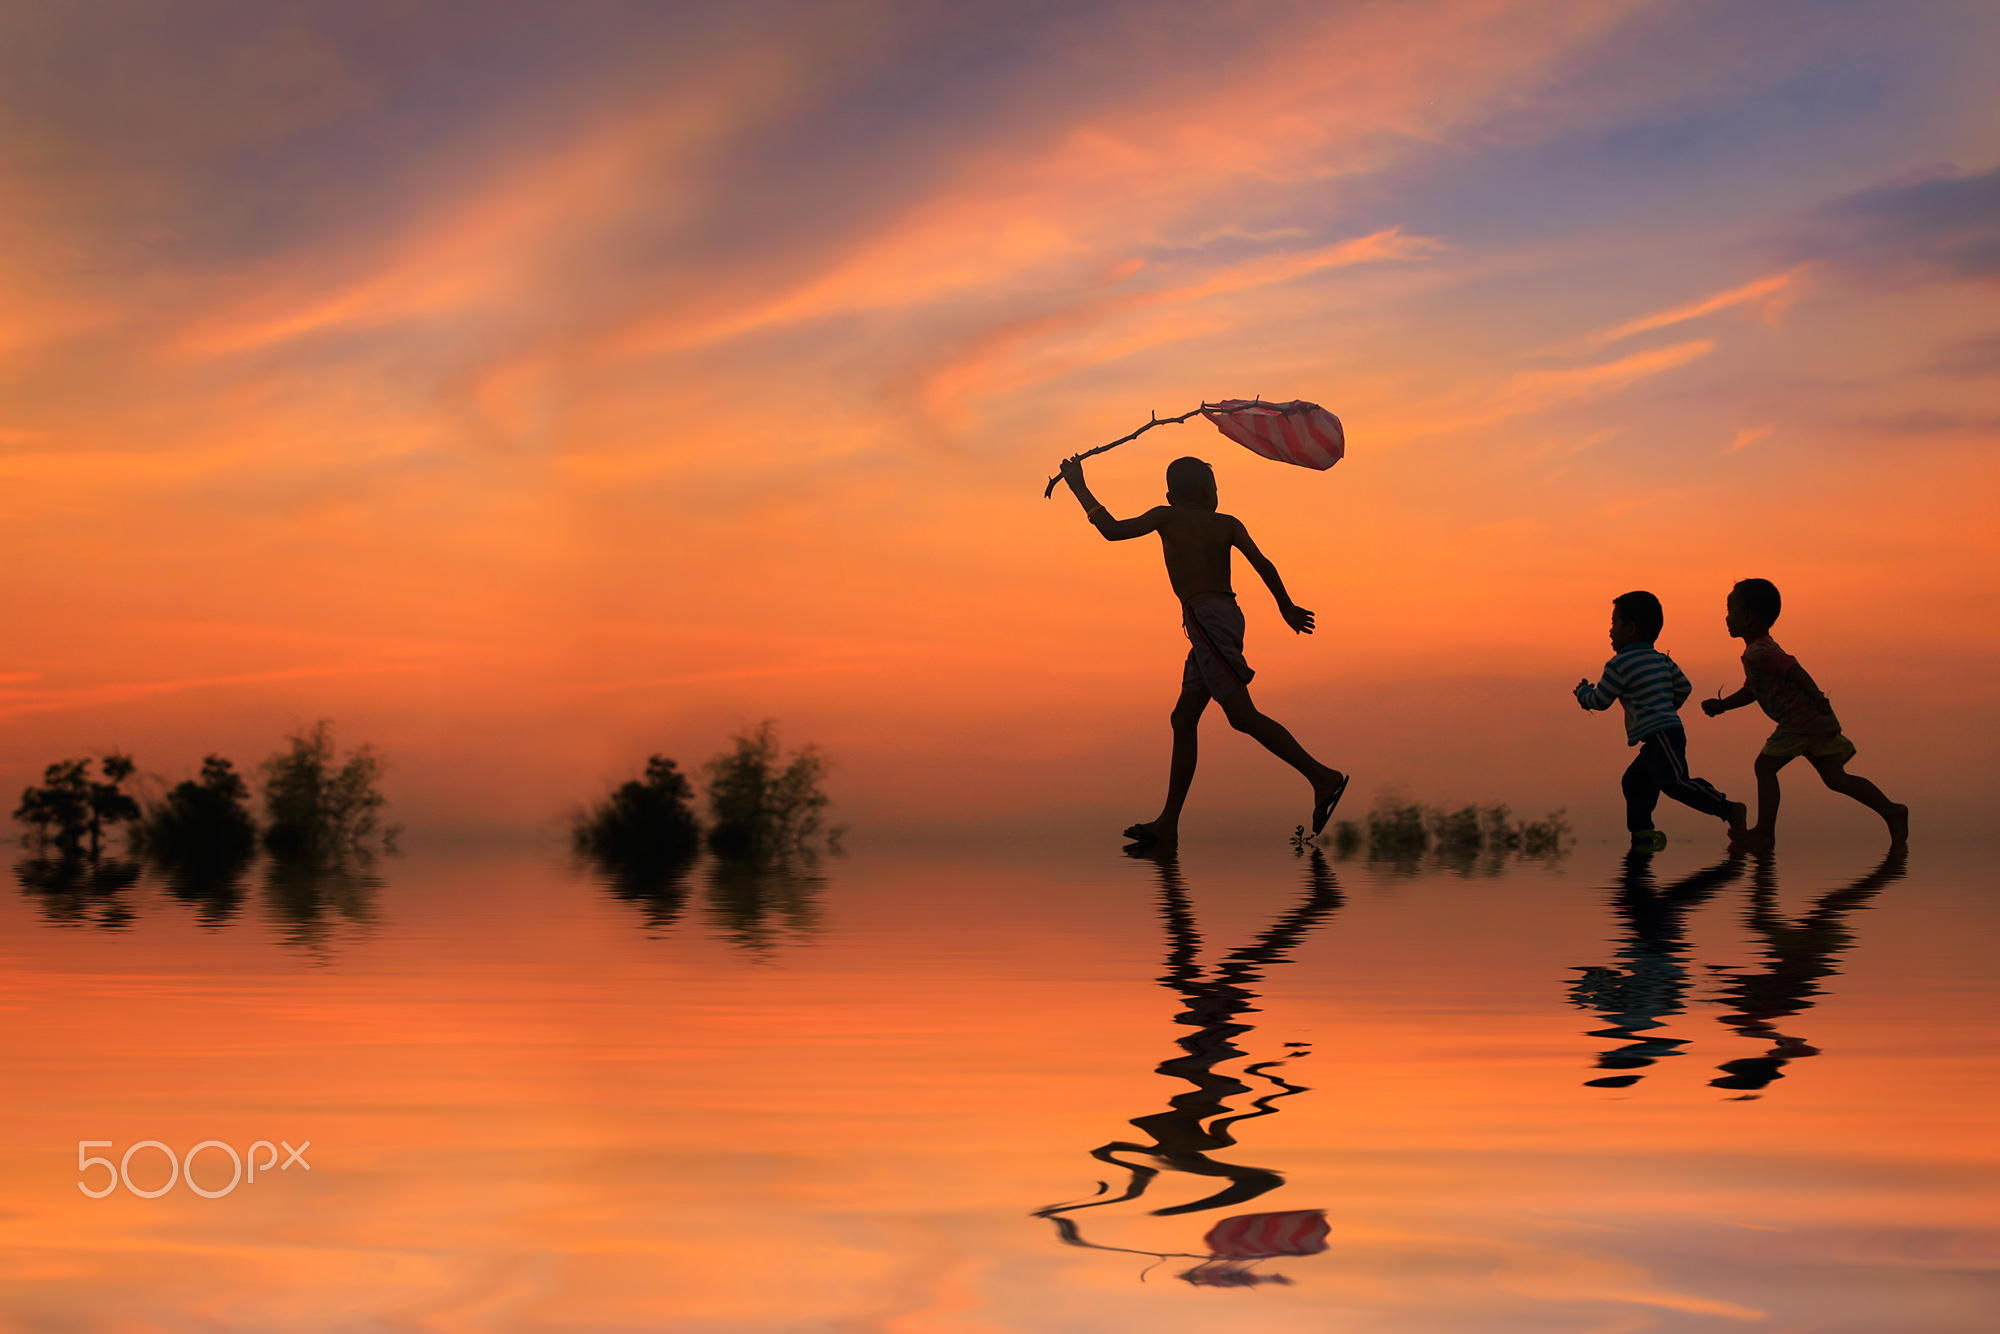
1652,689
1806,723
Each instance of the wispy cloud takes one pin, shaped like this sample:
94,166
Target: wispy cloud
1931,421
1976,358
1768,294
1943,224
17,702
997,359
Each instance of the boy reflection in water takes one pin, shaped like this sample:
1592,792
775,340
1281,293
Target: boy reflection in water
1802,954
1197,1123
1650,985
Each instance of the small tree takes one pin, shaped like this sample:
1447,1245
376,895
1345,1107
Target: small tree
204,821
316,805
649,819
71,809
760,804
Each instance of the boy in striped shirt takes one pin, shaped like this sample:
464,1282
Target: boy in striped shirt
1652,689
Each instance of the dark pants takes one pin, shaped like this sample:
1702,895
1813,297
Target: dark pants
1662,766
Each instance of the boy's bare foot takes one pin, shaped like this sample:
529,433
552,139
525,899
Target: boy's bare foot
1899,825
1327,793
1153,831
1739,819
1754,840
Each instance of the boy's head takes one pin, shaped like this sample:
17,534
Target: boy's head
1191,482
1636,618
1753,608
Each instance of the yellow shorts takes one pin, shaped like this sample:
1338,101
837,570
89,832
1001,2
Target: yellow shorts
1826,745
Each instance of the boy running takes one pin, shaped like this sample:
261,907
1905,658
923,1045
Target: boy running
1652,690
1197,541
1806,722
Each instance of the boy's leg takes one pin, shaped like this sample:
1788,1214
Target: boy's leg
1833,772
1698,793
1246,718
1642,793
1768,793
1186,721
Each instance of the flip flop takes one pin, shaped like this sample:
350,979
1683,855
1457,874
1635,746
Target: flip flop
1323,811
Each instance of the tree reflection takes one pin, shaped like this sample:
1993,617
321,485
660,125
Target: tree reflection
308,899
80,891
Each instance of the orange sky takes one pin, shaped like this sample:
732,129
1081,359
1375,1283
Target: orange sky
526,394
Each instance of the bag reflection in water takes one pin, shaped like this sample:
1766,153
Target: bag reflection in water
1234,1244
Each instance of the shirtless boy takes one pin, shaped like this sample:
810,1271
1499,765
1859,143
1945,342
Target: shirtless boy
1197,541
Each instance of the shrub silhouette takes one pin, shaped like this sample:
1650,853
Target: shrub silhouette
1402,830
203,821
317,805
71,811
761,804
645,820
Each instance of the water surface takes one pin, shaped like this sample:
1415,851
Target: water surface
1014,1090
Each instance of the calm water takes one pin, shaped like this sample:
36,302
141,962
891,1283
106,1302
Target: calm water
990,1091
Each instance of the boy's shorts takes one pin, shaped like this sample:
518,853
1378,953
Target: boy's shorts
1214,627
1824,745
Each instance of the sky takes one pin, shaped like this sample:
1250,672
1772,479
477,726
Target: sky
529,389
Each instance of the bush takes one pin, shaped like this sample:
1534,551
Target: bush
201,822
317,805
647,820
764,807
1399,830
761,804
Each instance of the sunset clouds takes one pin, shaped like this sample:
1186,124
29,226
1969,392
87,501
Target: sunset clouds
652,368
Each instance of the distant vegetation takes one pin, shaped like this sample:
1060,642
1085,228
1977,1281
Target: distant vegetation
1400,830
321,810
70,812
318,805
201,821
646,819
762,805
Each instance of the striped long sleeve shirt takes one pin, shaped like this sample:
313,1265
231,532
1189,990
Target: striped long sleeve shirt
1647,683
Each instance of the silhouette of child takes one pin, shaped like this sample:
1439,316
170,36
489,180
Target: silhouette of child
1197,541
1651,689
1806,722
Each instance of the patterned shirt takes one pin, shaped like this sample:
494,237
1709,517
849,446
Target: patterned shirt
1784,690
1647,683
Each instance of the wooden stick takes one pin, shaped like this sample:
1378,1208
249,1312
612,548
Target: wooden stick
1158,420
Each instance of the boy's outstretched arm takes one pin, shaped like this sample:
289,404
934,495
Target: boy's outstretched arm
1724,704
1602,695
1295,616
1114,530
